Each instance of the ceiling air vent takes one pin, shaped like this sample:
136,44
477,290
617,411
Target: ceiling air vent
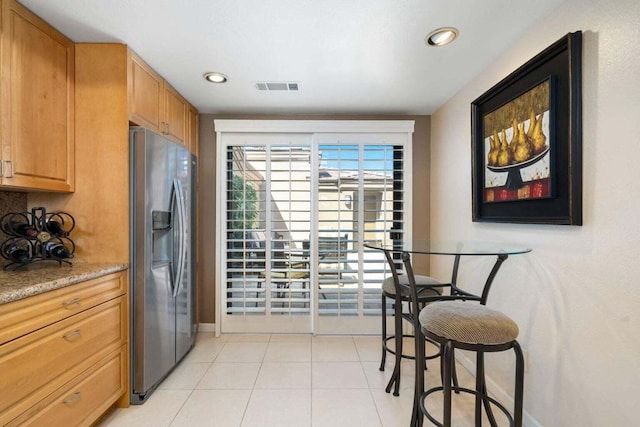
280,86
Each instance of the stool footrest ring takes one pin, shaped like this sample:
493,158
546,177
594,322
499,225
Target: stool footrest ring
485,397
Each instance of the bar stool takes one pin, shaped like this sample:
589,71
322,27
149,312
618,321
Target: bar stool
428,288
473,327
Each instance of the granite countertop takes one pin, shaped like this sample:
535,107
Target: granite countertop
43,277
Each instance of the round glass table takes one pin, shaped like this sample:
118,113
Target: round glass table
396,251
450,247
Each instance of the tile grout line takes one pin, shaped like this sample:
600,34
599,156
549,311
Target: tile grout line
194,388
244,413
210,364
181,406
375,404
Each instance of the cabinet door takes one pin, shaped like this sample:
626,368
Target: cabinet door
37,108
175,115
146,95
193,130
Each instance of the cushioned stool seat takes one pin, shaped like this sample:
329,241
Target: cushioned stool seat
389,287
468,323
472,327
428,288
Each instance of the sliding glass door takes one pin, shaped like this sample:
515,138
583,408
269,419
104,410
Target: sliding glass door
267,231
297,210
360,199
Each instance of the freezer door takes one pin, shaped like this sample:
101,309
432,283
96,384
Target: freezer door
153,224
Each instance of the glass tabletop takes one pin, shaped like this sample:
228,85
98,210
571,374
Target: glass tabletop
450,247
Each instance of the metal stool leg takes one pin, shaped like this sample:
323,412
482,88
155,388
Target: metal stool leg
454,372
395,377
447,356
519,389
482,394
417,417
384,332
483,391
479,388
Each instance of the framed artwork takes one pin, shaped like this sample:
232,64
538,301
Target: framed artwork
527,141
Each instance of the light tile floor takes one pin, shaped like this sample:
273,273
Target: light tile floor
286,380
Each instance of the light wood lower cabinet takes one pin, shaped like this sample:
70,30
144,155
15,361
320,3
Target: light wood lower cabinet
72,369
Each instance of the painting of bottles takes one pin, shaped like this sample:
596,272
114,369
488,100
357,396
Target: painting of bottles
518,148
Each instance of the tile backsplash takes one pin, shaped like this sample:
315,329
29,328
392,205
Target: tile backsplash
11,202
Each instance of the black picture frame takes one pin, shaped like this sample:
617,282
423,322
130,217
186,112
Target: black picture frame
560,65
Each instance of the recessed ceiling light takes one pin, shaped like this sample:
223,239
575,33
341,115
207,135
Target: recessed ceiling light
215,77
441,36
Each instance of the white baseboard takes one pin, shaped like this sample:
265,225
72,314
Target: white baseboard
498,393
206,327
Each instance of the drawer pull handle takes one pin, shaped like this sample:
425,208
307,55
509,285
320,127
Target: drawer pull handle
72,336
73,399
73,301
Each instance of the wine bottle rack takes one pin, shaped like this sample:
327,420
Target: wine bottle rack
37,236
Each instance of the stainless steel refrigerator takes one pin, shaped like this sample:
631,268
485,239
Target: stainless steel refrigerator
163,326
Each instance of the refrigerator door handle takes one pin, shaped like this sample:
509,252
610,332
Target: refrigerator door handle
175,226
183,234
180,208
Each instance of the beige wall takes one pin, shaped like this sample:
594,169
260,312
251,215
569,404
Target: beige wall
207,174
576,297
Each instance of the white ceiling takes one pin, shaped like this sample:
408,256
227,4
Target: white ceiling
349,56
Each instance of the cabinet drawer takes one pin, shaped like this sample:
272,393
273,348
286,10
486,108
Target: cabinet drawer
84,399
21,317
38,363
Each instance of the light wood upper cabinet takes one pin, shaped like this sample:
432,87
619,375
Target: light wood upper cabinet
109,77
37,103
154,104
193,122
146,95
175,117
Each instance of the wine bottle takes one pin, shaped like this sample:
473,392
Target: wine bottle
56,250
56,228
17,253
22,229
